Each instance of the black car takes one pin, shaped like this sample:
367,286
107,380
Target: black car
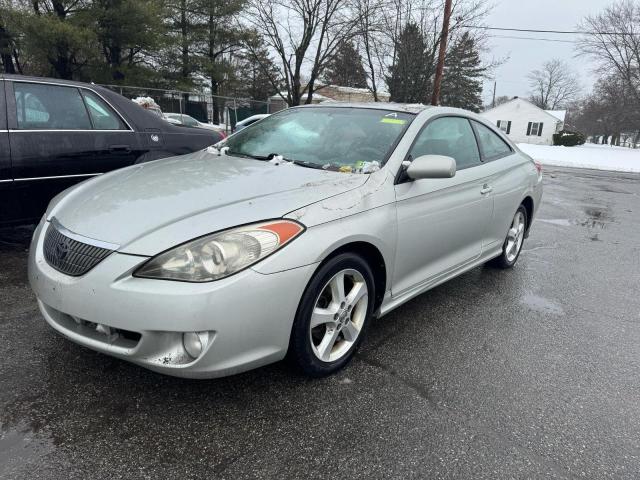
55,133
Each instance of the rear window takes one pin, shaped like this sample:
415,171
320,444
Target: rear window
103,116
491,144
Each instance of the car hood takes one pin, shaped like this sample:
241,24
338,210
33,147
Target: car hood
151,207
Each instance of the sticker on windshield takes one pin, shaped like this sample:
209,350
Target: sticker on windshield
395,121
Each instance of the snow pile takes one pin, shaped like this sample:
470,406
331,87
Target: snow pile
598,157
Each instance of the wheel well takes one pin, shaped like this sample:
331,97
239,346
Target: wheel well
375,260
528,205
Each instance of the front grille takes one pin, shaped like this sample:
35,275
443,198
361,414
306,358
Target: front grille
70,256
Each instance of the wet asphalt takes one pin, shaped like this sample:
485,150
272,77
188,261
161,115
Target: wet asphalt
527,373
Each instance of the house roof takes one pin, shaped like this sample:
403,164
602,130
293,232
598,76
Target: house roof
557,115
348,90
355,90
414,108
316,96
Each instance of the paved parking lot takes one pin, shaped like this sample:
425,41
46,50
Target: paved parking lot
527,373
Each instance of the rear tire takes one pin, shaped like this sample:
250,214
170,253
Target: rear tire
513,243
332,316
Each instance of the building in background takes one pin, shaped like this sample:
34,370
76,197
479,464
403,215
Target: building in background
334,93
523,122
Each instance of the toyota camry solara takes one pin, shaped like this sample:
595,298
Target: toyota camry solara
282,241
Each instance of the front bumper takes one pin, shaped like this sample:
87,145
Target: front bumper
248,316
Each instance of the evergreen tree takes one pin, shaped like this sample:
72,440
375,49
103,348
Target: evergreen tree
409,79
217,39
58,36
178,62
9,55
345,68
463,73
256,73
127,30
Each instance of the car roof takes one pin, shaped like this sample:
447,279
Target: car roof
57,81
258,116
413,108
29,78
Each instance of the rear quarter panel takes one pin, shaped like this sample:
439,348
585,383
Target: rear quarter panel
511,182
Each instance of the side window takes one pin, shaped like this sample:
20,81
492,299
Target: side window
450,136
30,109
492,145
102,116
190,122
49,107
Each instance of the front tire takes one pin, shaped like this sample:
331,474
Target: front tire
513,243
332,316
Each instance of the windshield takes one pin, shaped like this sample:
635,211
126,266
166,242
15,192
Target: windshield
334,138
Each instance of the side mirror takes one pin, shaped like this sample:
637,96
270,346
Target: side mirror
432,166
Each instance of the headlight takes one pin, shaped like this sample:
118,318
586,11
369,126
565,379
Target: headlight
221,254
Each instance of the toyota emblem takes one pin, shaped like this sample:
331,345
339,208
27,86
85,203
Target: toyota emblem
62,249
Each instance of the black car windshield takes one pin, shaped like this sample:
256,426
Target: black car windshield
335,138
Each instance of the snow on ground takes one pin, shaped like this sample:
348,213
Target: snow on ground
598,157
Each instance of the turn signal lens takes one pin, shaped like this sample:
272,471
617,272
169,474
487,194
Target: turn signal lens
221,254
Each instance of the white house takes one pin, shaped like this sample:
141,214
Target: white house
523,122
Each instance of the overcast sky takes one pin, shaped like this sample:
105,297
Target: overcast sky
526,55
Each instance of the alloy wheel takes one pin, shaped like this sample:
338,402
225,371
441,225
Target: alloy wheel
338,315
515,237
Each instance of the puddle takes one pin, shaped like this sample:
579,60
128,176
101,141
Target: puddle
596,218
541,304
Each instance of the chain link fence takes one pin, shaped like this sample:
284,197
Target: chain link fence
215,109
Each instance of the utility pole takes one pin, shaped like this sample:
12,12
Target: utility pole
493,102
435,99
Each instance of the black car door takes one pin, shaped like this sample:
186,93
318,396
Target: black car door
60,135
116,145
6,203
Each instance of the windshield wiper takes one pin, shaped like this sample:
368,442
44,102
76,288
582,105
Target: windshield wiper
246,155
273,156
305,164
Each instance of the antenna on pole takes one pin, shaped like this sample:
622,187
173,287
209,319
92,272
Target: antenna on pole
435,99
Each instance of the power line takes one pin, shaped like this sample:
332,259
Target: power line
534,38
568,32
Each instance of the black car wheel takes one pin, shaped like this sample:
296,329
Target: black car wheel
333,315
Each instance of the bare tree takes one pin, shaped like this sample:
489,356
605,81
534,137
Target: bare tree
427,14
614,42
553,86
371,33
304,34
501,99
608,112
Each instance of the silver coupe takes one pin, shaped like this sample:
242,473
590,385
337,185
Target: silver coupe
284,240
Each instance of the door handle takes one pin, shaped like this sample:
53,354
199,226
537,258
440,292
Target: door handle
486,189
120,148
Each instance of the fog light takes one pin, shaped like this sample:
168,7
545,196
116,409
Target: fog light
194,343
